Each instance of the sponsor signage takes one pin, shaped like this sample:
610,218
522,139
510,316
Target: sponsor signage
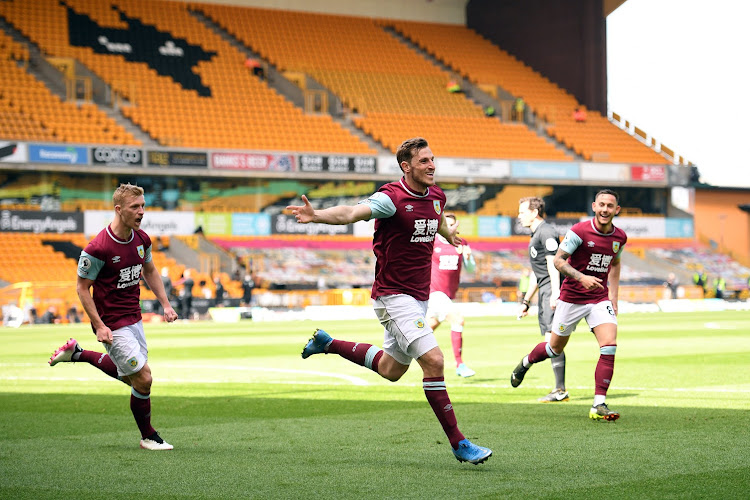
468,167
217,223
387,165
544,170
364,228
679,228
493,227
468,226
605,172
642,227
16,221
13,152
105,155
337,164
249,224
72,155
176,159
561,226
155,223
252,161
287,224
648,173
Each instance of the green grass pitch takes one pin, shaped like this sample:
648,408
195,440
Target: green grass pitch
250,419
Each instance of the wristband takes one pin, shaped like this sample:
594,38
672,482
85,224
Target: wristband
527,304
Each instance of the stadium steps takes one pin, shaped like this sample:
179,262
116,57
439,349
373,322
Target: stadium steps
662,267
130,126
346,122
287,88
273,76
477,95
38,64
471,91
182,253
54,81
196,258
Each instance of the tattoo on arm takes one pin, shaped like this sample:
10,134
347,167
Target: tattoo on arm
562,265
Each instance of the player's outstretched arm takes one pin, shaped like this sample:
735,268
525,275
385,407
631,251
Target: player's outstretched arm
338,215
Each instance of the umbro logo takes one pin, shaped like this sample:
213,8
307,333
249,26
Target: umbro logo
354,349
409,208
591,244
448,407
115,259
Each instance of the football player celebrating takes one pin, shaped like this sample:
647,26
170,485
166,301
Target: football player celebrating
409,213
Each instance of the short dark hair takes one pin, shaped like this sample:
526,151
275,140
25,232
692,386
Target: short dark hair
409,148
535,203
610,192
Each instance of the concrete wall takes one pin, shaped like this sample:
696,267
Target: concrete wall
437,11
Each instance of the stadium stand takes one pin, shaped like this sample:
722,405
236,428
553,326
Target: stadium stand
30,111
216,103
471,55
713,264
397,92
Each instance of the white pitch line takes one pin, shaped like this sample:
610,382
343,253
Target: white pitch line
712,325
360,382
348,378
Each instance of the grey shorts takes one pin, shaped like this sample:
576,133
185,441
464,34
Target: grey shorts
407,335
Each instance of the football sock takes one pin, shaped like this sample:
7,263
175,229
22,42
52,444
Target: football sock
437,395
99,360
558,368
140,405
366,355
541,352
457,343
604,369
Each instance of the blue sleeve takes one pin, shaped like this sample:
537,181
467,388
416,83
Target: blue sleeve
89,266
381,205
571,242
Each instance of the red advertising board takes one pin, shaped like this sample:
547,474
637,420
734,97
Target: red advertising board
649,173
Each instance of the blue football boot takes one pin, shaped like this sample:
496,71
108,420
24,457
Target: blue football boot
317,344
472,453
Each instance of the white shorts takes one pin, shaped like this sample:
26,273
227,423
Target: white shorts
568,315
128,350
440,306
407,335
